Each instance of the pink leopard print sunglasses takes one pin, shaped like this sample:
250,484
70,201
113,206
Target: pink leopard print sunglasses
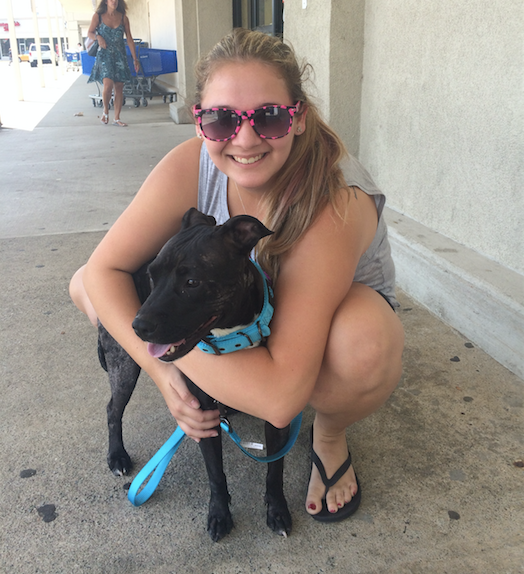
269,122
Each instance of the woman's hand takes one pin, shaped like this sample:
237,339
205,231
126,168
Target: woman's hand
136,64
195,422
101,41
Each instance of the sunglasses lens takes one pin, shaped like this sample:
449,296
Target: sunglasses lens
272,122
218,124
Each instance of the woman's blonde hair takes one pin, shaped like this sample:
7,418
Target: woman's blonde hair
311,177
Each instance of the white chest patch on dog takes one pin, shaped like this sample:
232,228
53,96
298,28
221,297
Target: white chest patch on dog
224,332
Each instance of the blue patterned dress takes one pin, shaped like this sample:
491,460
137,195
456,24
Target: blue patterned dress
111,62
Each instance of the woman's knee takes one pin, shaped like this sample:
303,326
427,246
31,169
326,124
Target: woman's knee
365,344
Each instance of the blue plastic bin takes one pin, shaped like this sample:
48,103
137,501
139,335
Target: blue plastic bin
87,62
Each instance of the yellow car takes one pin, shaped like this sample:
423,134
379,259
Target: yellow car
23,57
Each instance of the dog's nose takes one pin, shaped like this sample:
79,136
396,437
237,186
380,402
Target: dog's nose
143,328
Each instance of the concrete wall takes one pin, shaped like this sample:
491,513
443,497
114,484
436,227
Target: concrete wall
162,24
138,14
439,113
442,118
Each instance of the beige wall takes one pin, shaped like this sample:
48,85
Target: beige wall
439,112
443,118
162,24
138,19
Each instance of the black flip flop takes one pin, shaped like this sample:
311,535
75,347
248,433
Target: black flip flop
348,509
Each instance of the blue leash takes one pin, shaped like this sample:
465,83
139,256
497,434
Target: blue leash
158,464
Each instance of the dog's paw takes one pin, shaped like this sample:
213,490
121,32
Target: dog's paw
278,516
219,526
119,462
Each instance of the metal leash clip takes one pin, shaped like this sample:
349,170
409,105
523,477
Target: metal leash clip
223,417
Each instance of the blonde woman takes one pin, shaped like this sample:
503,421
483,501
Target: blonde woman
336,342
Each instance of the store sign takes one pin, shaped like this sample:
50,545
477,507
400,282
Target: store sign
5,25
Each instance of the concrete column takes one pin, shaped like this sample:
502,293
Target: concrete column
37,44
336,55
199,25
59,8
50,29
346,70
14,50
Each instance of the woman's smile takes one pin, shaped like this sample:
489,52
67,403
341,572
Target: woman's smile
248,160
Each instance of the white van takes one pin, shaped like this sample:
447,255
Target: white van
48,55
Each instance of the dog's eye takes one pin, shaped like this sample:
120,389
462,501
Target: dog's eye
192,283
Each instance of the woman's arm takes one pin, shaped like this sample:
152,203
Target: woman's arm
131,43
275,383
91,33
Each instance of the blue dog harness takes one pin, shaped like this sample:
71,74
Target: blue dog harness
243,338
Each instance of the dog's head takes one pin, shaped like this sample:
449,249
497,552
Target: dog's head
201,279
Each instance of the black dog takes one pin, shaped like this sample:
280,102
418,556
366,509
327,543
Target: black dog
201,280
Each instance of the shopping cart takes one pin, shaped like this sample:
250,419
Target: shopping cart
73,60
153,63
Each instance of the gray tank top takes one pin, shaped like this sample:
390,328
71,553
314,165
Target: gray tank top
375,268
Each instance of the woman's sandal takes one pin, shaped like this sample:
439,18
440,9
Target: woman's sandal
348,509
120,124
104,119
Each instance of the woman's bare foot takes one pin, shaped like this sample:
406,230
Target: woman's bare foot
333,452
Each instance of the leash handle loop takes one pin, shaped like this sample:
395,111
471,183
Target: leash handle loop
156,466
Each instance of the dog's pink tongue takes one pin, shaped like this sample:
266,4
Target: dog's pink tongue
157,350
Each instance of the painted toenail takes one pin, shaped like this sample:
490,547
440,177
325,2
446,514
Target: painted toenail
332,511
312,506
339,505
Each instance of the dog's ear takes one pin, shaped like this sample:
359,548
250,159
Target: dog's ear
194,217
245,232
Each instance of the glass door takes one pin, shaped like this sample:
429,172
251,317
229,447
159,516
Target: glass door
262,15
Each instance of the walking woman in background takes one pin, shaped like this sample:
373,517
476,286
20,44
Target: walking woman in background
108,25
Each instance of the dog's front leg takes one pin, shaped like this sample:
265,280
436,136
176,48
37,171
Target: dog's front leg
278,516
123,374
219,521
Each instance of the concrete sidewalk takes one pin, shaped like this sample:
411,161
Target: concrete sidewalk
440,464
